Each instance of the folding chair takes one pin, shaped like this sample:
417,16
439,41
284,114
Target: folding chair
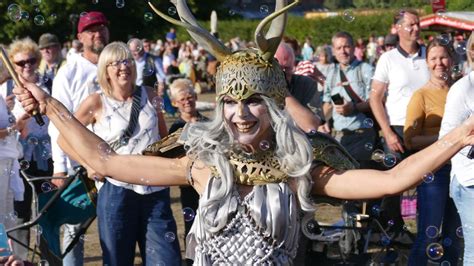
73,203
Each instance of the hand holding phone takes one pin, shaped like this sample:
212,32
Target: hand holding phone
4,242
337,99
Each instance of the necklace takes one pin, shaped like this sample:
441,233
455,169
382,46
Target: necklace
257,168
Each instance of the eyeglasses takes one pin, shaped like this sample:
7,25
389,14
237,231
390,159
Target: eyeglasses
30,61
118,63
184,100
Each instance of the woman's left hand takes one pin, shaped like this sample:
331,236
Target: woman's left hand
31,96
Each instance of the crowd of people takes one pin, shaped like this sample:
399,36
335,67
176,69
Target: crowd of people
244,175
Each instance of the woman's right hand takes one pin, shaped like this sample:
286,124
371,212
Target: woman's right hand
31,96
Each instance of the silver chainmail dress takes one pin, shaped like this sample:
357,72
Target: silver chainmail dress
261,229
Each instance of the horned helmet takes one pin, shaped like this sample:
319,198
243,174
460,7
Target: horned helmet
243,73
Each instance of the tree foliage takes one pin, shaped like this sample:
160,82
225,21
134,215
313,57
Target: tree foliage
460,5
60,17
320,29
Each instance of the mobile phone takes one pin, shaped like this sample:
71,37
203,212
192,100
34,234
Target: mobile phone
337,99
4,242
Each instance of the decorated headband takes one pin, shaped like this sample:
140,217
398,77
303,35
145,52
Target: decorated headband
246,72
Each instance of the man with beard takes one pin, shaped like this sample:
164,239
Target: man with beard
72,84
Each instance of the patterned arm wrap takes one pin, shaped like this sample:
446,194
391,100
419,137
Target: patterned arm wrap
327,151
168,147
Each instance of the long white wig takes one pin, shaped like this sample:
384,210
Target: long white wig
209,142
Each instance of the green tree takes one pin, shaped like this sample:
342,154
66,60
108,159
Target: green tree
460,5
60,17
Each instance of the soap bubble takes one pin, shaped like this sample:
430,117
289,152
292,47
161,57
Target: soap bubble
33,141
188,214
170,236
435,251
385,240
348,15
148,16
378,155
444,38
264,145
369,146
428,177
25,15
24,165
460,48
104,150
389,160
172,10
376,210
46,187
38,20
459,232
432,231
368,123
120,3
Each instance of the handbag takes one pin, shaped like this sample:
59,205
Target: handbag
408,205
355,98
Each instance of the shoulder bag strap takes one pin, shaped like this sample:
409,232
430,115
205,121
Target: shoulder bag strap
347,86
133,122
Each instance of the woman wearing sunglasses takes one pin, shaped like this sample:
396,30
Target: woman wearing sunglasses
25,57
129,118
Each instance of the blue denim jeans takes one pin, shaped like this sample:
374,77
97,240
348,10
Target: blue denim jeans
126,218
437,212
464,199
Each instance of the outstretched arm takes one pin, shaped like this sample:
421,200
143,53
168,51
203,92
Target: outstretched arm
364,184
95,152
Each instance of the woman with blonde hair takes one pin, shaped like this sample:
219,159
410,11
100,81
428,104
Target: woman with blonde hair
25,57
129,118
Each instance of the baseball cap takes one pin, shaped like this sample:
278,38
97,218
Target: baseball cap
47,40
90,19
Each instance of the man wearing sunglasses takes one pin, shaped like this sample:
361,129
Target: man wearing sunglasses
72,84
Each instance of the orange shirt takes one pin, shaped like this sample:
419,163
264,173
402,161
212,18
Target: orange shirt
424,114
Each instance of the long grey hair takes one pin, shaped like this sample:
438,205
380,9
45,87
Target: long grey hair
209,143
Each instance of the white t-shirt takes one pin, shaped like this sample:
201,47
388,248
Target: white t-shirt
72,84
403,73
460,106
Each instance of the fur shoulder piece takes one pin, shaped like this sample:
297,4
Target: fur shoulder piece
328,151
168,147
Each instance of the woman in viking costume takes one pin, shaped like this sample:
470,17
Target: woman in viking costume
254,169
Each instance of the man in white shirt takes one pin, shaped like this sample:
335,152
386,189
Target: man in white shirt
72,84
399,72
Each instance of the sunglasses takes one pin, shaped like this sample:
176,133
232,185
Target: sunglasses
23,63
